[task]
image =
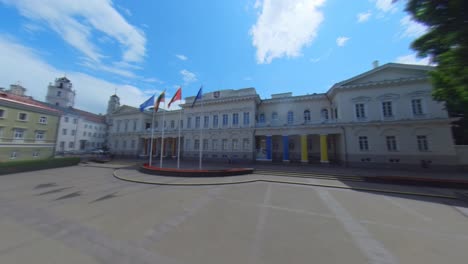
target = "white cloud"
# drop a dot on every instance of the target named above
(284, 27)
(181, 57)
(411, 28)
(341, 41)
(385, 5)
(248, 78)
(152, 80)
(76, 21)
(188, 76)
(412, 59)
(363, 17)
(23, 64)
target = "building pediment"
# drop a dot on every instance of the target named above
(388, 72)
(125, 109)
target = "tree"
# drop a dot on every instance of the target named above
(446, 44)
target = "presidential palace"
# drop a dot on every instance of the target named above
(383, 117)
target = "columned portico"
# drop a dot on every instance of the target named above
(323, 148)
(304, 149)
(285, 148)
(268, 147)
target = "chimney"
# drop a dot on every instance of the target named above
(375, 64)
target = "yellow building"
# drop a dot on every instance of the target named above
(28, 128)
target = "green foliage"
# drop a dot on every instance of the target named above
(446, 43)
(31, 165)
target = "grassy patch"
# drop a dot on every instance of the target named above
(31, 165)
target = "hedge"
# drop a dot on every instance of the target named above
(32, 165)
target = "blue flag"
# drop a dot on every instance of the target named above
(149, 102)
(199, 96)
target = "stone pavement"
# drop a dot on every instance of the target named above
(83, 214)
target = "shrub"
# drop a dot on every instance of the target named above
(32, 165)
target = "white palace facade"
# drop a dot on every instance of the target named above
(385, 116)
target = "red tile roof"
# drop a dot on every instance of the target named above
(90, 116)
(25, 100)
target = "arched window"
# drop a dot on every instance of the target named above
(307, 116)
(290, 117)
(324, 114)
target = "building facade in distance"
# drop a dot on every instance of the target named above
(383, 117)
(28, 128)
(79, 131)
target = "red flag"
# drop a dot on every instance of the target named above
(177, 96)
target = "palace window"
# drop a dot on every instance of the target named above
(215, 121)
(214, 143)
(235, 119)
(306, 116)
(196, 144)
(206, 121)
(290, 117)
(391, 143)
(416, 105)
(235, 144)
(225, 119)
(18, 133)
(274, 116)
(387, 109)
(189, 122)
(261, 118)
(363, 143)
(246, 118)
(360, 111)
(225, 144)
(324, 114)
(2, 113)
(422, 143)
(66, 119)
(246, 144)
(197, 122)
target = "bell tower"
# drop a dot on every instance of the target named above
(61, 93)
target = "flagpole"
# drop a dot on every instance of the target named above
(162, 138)
(152, 135)
(202, 122)
(178, 143)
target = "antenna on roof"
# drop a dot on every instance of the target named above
(115, 91)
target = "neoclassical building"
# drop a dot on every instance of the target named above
(385, 116)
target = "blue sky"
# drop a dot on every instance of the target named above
(144, 47)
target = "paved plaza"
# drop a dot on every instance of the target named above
(83, 214)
